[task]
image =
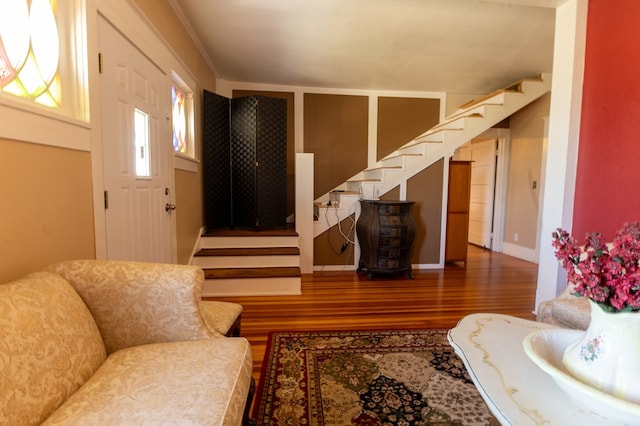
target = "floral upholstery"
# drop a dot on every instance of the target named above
(566, 311)
(139, 349)
(138, 303)
(171, 383)
(43, 360)
(221, 316)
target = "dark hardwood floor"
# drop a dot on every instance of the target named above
(491, 282)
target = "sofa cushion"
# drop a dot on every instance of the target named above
(201, 382)
(49, 346)
(136, 303)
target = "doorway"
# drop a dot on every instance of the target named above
(136, 152)
(488, 153)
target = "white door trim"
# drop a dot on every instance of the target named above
(500, 197)
(503, 137)
(129, 20)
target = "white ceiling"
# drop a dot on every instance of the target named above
(454, 46)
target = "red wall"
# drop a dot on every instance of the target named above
(608, 175)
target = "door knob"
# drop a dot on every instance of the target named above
(169, 207)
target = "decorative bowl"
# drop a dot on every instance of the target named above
(546, 348)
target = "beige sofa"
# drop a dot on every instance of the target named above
(112, 343)
(566, 310)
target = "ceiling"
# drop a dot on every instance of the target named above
(453, 46)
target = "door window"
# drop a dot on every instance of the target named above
(141, 141)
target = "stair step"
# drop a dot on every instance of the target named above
(255, 240)
(249, 251)
(268, 286)
(232, 273)
(289, 232)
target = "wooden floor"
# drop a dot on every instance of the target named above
(491, 282)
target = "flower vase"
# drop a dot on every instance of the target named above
(606, 356)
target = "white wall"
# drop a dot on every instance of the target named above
(564, 128)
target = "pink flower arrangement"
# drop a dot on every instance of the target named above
(609, 276)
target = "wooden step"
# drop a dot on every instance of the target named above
(249, 251)
(281, 232)
(234, 273)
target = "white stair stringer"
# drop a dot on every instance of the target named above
(439, 142)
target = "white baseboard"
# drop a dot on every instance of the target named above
(275, 286)
(333, 268)
(419, 266)
(520, 252)
(339, 268)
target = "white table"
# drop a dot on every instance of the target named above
(515, 389)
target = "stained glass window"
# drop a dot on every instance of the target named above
(179, 117)
(30, 51)
(182, 119)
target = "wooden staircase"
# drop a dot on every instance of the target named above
(243, 263)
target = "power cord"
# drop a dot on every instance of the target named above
(347, 240)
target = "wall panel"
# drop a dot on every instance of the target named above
(335, 130)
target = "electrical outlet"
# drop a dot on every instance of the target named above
(515, 237)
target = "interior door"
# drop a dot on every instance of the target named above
(136, 152)
(483, 180)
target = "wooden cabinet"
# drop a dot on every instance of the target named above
(457, 238)
(386, 232)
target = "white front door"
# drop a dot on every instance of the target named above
(135, 101)
(483, 180)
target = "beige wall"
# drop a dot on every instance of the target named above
(425, 188)
(47, 212)
(525, 164)
(455, 100)
(336, 132)
(47, 191)
(402, 119)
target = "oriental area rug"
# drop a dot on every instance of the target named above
(391, 377)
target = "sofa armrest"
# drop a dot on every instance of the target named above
(137, 303)
(222, 317)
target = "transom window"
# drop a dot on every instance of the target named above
(30, 51)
